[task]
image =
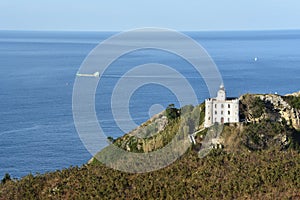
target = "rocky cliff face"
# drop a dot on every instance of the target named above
(266, 120)
(295, 94)
(276, 108)
(159, 130)
(136, 139)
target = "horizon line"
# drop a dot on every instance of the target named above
(203, 30)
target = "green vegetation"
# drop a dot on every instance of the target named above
(265, 135)
(293, 101)
(260, 160)
(6, 178)
(110, 139)
(220, 175)
(256, 136)
(202, 113)
(185, 123)
(252, 106)
(172, 112)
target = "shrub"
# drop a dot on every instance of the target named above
(293, 101)
(6, 178)
(172, 112)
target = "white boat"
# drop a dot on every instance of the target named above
(96, 74)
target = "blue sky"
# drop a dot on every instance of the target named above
(105, 15)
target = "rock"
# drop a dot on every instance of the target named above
(295, 94)
(276, 109)
(91, 160)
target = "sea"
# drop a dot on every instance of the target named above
(38, 70)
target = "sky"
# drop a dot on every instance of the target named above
(119, 15)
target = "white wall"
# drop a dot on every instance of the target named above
(217, 111)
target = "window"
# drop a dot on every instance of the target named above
(208, 118)
(222, 112)
(222, 120)
(215, 112)
(228, 112)
(228, 120)
(228, 105)
(222, 106)
(215, 105)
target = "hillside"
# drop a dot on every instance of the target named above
(257, 158)
(268, 120)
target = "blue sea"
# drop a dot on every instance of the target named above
(38, 69)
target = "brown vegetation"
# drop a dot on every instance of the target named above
(257, 175)
(261, 160)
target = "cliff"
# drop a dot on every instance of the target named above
(267, 120)
(276, 108)
(257, 158)
(160, 129)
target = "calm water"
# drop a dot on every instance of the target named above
(37, 71)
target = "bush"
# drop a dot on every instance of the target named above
(6, 178)
(257, 107)
(293, 101)
(110, 139)
(172, 112)
(251, 106)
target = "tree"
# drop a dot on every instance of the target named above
(5, 178)
(172, 112)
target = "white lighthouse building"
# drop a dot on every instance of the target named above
(221, 109)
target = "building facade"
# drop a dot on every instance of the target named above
(221, 109)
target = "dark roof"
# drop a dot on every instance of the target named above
(231, 98)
